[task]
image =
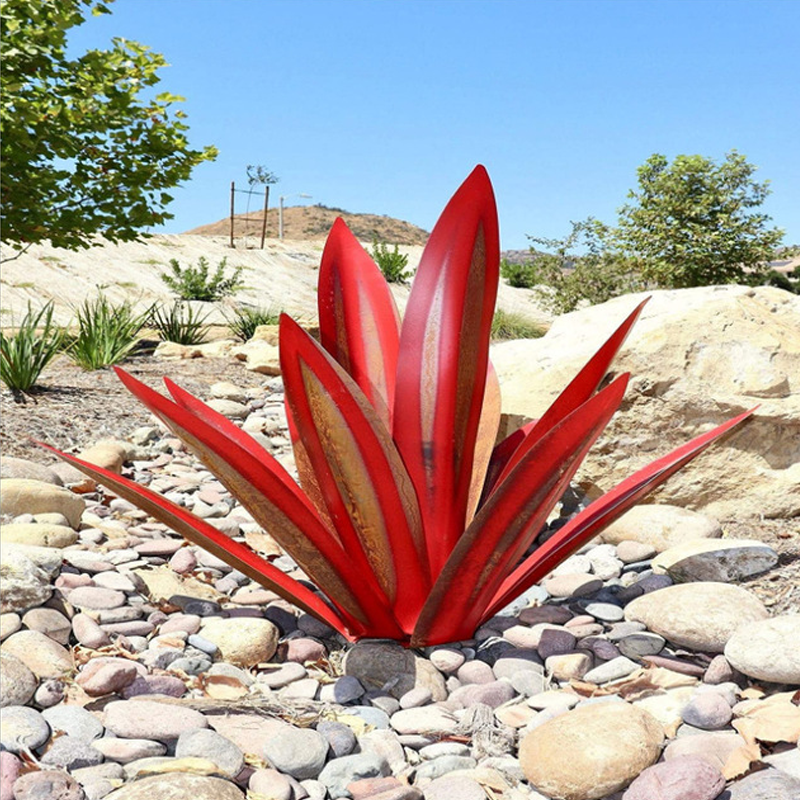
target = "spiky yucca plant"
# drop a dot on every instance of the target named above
(411, 522)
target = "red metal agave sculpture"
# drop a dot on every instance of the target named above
(411, 522)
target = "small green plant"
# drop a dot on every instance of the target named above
(179, 323)
(392, 263)
(26, 353)
(107, 334)
(195, 283)
(512, 325)
(521, 276)
(243, 320)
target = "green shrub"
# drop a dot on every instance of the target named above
(585, 267)
(26, 353)
(106, 333)
(179, 323)
(521, 276)
(512, 325)
(194, 283)
(392, 263)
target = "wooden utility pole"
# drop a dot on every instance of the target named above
(264, 222)
(233, 191)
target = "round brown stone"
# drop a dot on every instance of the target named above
(590, 752)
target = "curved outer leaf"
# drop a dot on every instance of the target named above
(600, 513)
(444, 352)
(358, 320)
(369, 496)
(579, 390)
(209, 538)
(506, 525)
(277, 505)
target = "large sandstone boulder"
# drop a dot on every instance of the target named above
(697, 357)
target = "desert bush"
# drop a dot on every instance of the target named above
(512, 325)
(520, 276)
(243, 320)
(392, 263)
(24, 354)
(107, 333)
(583, 268)
(180, 323)
(195, 283)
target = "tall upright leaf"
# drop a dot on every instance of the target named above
(444, 354)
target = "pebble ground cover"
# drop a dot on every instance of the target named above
(134, 664)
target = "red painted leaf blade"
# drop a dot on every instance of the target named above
(279, 507)
(580, 389)
(506, 525)
(361, 476)
(444, 353)
(209, 538)
(601, 513)
(358, 320)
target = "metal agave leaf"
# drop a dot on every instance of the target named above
(411, 522)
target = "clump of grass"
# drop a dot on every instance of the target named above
(179, 323)
(512, 325)
(243, 320)
(26, 353)
(107, 334)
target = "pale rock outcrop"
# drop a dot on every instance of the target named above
(697, 357)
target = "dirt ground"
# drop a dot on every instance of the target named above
(72, 409)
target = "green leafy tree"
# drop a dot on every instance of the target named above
(696, 222)
(87, 146)
(583, 267)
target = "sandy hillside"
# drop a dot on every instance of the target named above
(283, 275)
(313, 222)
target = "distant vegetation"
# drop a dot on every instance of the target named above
(692, 222)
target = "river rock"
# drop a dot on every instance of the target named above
(23, 729)
(178, 786)
(50, 622)
(25, 584)
(11, 467)
(723, 560)
(47, 784)
(39, 534)
(244, 641)
(661, 527)
(44, 657)
(382, 665)
(768, 650)
(340, 772)
(769, 784)
(23, 496)
(697, 356)
(682, 778)
(205, 743)
(631, 741)
(75, 721)
(17, 682)
(299, 752)
(147, 719)
(701, 616)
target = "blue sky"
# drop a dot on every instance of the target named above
(384, 106)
